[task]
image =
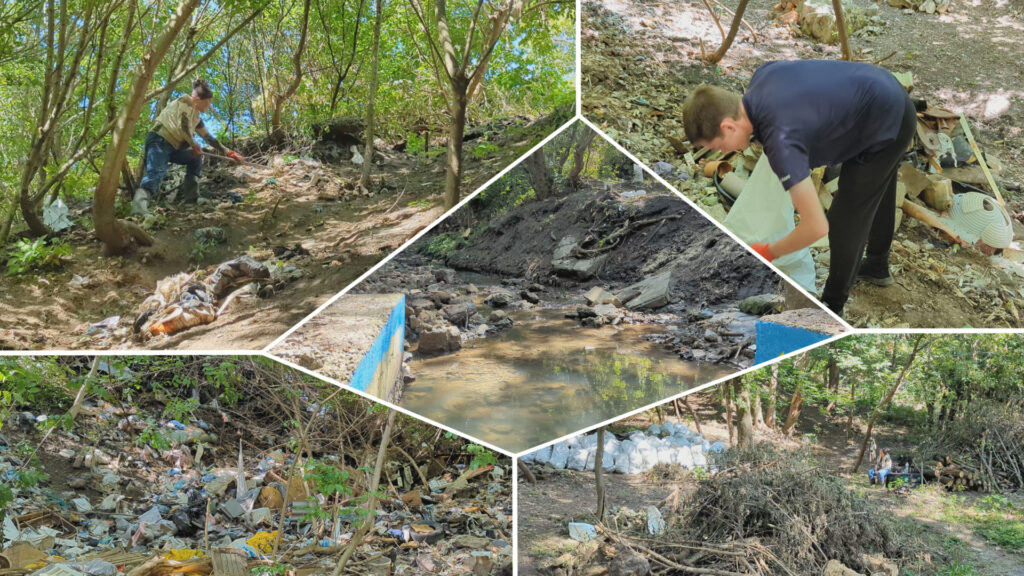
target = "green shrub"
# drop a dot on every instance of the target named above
(441, 246)
(36, 255)
(482, 457)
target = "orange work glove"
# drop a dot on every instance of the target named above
(762, 249)
(236, 157)
(196, 150)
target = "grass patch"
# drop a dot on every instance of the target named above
(1006, 533)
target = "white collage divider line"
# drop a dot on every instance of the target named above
(129, 352)
(697, 388)
(280, 339)
(720, 226)
(515, 515)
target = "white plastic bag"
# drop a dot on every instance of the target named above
(764, 213)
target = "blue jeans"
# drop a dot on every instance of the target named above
(159, 153)
(881, 474)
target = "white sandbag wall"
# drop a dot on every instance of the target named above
(669, 443)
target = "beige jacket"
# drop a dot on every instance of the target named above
(178, 123)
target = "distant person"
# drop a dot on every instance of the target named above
(816, 113)
(172, 140)
(883, 467)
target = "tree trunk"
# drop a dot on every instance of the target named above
(583, 141)
(832, 382)
(793, 417)
(693, 413)
(541, 179)
(744, 420)
(598, 480)
(919, 343)
(114, 234)
(453, 178)
(773, 388)
(728, 415)
(853, 403)
(364, 179)
(277, 131)
(837, 6)
(757, 412)
(737, 19)
(525, 470)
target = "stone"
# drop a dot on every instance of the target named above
(499, 299)
(470, 541)
(652, 292)
(606, 310)
(579, 269)
(459, 313)
(440, 341)
(446, 275)
(598, 295)
(762, 304)
(211, 235)
(529, 297)
(497, 316)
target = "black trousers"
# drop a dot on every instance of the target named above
(864, 213)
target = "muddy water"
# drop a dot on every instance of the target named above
(547, 377)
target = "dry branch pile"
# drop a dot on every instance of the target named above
(772, 512)
(983, 449)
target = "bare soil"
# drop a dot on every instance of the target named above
(289, 202)
(564, 496)
(640, 59)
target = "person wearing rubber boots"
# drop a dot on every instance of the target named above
(810, 113)
(172, 140)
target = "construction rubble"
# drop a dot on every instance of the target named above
(207, 504)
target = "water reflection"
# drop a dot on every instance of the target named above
(546, 377)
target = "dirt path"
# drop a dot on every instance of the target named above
(641, 59)
(564, 496)
(288, 202)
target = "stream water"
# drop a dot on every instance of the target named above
(547, 377)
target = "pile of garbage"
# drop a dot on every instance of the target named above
(665, 444)
(189, 507)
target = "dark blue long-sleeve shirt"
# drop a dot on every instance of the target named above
(822, 112)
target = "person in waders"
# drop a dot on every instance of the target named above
(810, 113)
(172, 140)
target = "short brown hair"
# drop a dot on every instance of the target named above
(704, 110)
(202, 89)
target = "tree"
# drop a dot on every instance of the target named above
(118, 235)
(277, 132)
(364, 179)
(737, 19)
(773, 387)
(541, 179)
(582, 145)
(744, 418)
(920, 342)
(461, 71)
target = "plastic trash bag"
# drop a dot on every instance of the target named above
(764, 213)
(55, 215)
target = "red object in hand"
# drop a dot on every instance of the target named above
(196, 150)
(235, 156)
(763, 250)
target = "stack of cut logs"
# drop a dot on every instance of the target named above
(955, 474)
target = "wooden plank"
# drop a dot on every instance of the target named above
(228, 564)
(981, 160)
